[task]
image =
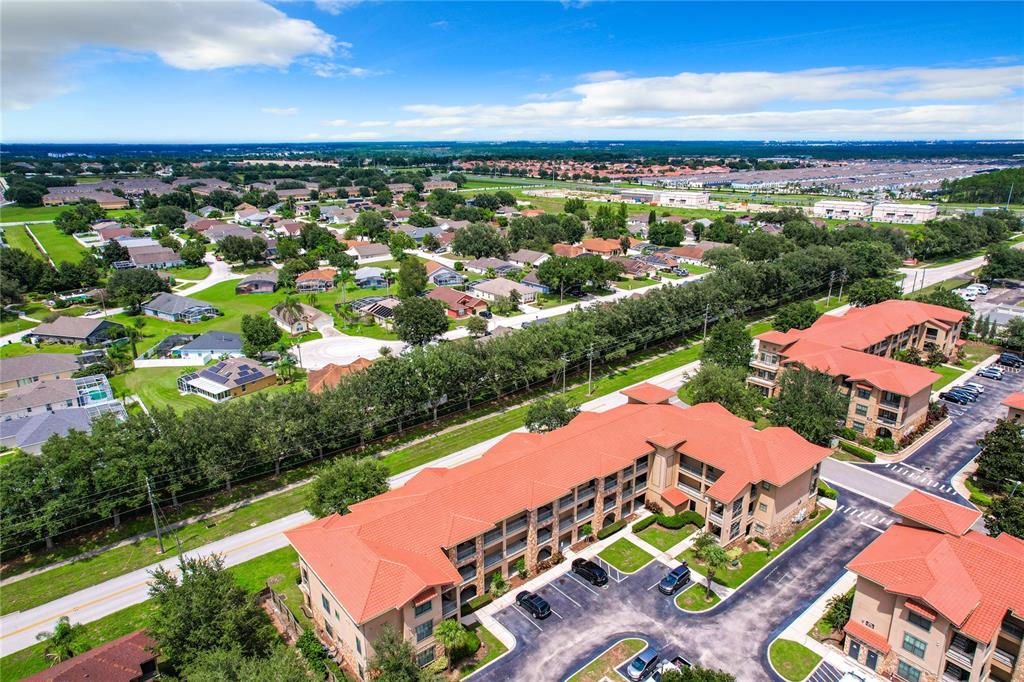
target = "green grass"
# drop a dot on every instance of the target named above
(824, 305)
(625, 556)
(604, 665)
(751, 562)
(196, 273)
(157, 387)
(948, 375)
(978, 496)
(759, 328)
(975, 352)
(665, 538)
(792, 660)
(14, 350)
(59, 246)
(821, 630)
(17, 214)
(551, 301)
(694, 598)
(17, 237)
(370, 331)
(696, 269)
(493, 649)
(15, 325)
(630, 284)
(951, 283)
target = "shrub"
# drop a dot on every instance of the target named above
(467, 647)
(459, 266)
(438, 665)
(826, 491)
(644, 524)
(848, 433)
(520, 567)
(838, 612)
(586, 532)
(884, 444)
(814, 513)
(498, 585)
(313, 651)
(652, 507)
(764, 542)
(859, 452)
(610, 529)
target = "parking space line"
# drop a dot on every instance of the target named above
(653, 586)
(868, 525)
(555, 587)
(555, 613)
(580, 582)
(521, 611)
(911, 467)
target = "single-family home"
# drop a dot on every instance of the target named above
(227, 379)
(368, 252)
(28, 369)
(457, 304)
(380, 308)
(217, 233)
(28, 434)
(205, 211)
(338, 215)
(418, 233)
(526, 257)
(694, 253)
(299, 319)
(370, 278)
(290, 228)
(211, 345)
(632, 267)
(568, 250)
(84, 330)
(321, 279)
(176, 308)
(532, 280)
(481, 266)
(329, 376)
(91, 392)
(258, 283)
(499, 287)
(132, 658)
(442, 275)
(602, 247)
(154, 257)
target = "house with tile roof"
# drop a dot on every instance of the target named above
(1014, 404)
(936, 599)
(442, 275)
(329, 376)
(320, 280)
(68, 329)
(132, 658)
(412, 556)
(227, 379)
(457, 304)
(888, 398)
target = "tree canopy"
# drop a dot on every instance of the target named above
(344, 482)
(808, 403)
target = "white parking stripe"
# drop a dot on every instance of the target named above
(552, 585)
(521, 611)
(868, 525)
(580, 582)
(653, 586)
(935, 484)
(555, 613)
(911, 467)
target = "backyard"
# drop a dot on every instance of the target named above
(59, 246)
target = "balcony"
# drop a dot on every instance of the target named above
(466, 553)
(566, 502)
(715, 518)
(760, 381)
(610, 483)
(764, 363)
(586, 493)
(1012, 630)
(516, 525)
(894, 403)
(609, 503)
(492, 536)
(641, 466)
(691, 468)
(543, 536)
(545, 514)
(713, 475)
(516, 547)
(493, 558)
(689, 490)
(641, 484)
(584, 514)
(890, 421)
(448, 607)
(468, 572)
(960, 656)
(1004, 657)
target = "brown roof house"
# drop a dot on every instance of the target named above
(457, 304)
(227, 379)
(131, 658)
(330, 375)
(74, 330)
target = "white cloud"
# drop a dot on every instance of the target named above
(335, 7)
(326, 69)
(337, 122)
(280, 111)
(371, 124)
(440, 24)
(214, 35)
(957, 102)
(607, 75)
(357, 135)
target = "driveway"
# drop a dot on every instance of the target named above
(341, 349)
(733, 637)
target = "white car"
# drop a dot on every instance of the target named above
(977, 387)
(966, 294)
(980, 288)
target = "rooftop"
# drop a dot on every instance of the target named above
(118, 661)
(648, 394)
(1014, 400)
(330, 375)
(172, 303)
(72, 327)
(215, 341)
(936, 513)
(37, 364)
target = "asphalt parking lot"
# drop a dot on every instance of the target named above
(734, 636)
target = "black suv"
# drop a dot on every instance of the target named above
(535, 604)
(676, 578)
(1010, 360)
(589, 571)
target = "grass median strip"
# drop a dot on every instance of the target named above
(492, 649)
(665, 538)
(792, 660)
(604, 665)
(695, 598)
(625, 556)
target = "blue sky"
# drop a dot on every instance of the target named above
(340, 70)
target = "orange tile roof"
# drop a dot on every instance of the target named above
(321, 273)
(936, 513)
(921, 609)
(884, 373)
(391, 547)
(971, 579)
(873, 639)
(648, 393)
(674, 496)
(601, 245)
(120, 660)
(567, 250)
(1015, 400)
(330, 375)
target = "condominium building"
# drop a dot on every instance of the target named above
(842, 210)
(414, 555)
(905, 214)
(888, 398)
(936, 600)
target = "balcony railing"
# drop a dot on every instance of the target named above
(890, 403)
(1014, 631)
(492, 559)
(543, 536)
(641, 466)
(492, 536)
(692, 492)
(887, 420)
(586, 493)
(584, 514)
(609, 503)
(716, 517)
(713, 475)
(694, 469)
(960, 656)
(544, 515)
(515, 547)
(610, 484)
(515, 526)
(468, 572)
(1004, 657)
(465, 554)
(641, 485)
(566, 502)
(448, 607)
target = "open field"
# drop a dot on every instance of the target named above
(17, 214)
(17, 237)
(59, 246)
(15, 325)
(13, 350)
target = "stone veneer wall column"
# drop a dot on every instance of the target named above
(531, 541)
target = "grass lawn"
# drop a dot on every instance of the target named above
(792, 660)
(951, 283)
(948, 375)
(14, 350)
(15, 325)
(17, 214)
(17, 237)
(551, 301)
(630, 284)
(824, 305)
(975, 352)
(371, 331)
(695, 598)
(197, 273)
(665, 538)
(751, 562)
(625, 556)
(759, 328)
(604, 665)
(157, 386)
(59, 246)
(492, 649)
(821, 629)
(695, 269)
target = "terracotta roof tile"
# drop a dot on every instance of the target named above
(934, 512)
(648, 393)
(1014, 400)
(873, 639)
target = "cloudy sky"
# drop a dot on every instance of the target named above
(253, 70)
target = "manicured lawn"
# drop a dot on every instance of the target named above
(751, 562)
(625, 556)
(493, 648)
(17, 237)
(551, 300)
(14, 350)
(759, 328)
(630, 284)
(975, 352)
(824, 304)
(604, 665)
(694, 598)
(951, 283)
(696, 269)
(157, 386)
(665, 538)
(948, 375)
(15, 325)
(59, 246)
(197, 273)
(792, 660)
(16, 214)
(371, 331)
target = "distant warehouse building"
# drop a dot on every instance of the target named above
(905, 214)
(684, 199)
(842, 210)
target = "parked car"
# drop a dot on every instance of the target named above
(967, 394)
(486, 314)
(953, 397)
(643, 665)
(991, 373)
(682, 272)
(967, 388)
(676, 578)
(589, 571)
(966, 294)
(976, 386)
(1010, 360)
(980, 288)
(534, 604)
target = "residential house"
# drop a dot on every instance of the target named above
(414, 555)
(568, 250)
(258, 283)
(632, 267)
(174, 308)
(112, 231)
(329, 376)
(380, 308)
(888, 398)
(499, 287)
(526, 257)
(83, 330)
(1014, 407)
(442, 275)
(532, 280)
(694, 253)
(132, 658)
(299, 319)
(227, 379)
(321, 279)
(602, 247)
(338, 215)
(370, 278)
(369, 252)
(936, 599)
(28, 434)
(210, 346)
(482, 266)
(217, 233)
(418, 233)
(205, 211)
(153, 257)
(290, 228)
(91, 392)
(28, 369)
(457, 303)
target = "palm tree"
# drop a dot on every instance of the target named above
(286, 365)
(388, 276)
(714, 558)
(450, 633)
(60, 644)
(311, 298)
(134, 334)
(341, 281)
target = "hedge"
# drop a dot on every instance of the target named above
(826, 491)
(857, 451)
(674, 522)
(611, 528)
(644, 524)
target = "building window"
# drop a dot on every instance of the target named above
(919, 620)
(864, 393)
(858, 427)
(737, 507)
(330, 631)
(862, 410)
(759, 528)
(914, 645)
(908, 672)
(761, 506)
(766, 485)
(425, 657)
(424, 630)
(424, 608)
(734, 530)
(327, 604)
(359, 646)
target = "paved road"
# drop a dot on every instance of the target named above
(914, 279)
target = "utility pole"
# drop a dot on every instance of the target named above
(590, 370)
(707, 311)
(842, 281)
(831, 279)
(565, 363)
(156, 523)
